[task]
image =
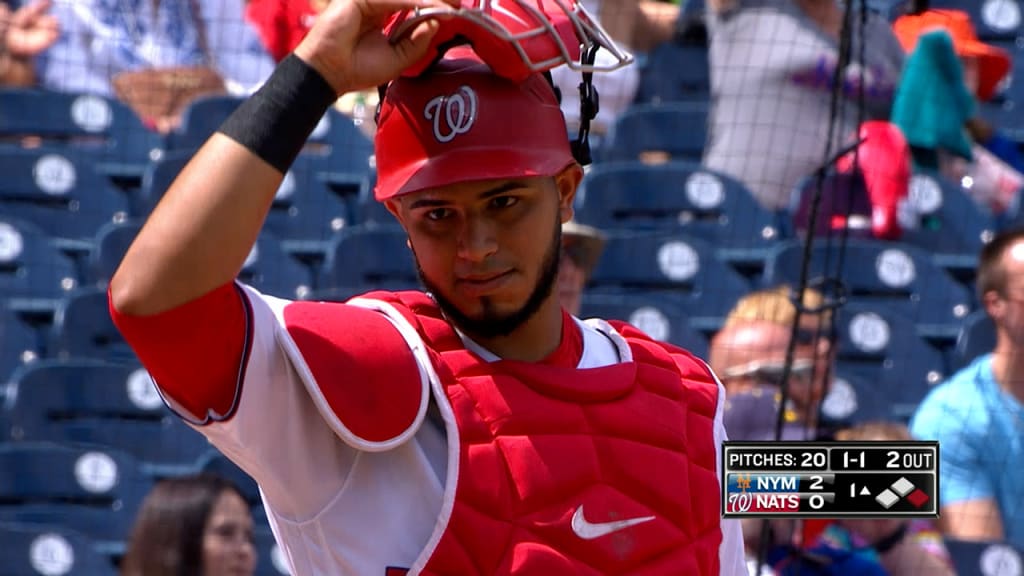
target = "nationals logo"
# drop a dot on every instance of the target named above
(453, 114)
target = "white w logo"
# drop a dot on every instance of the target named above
(457, 111)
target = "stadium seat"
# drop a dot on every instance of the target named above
(883, 349)
(657, 132)
(19, 343)
(952, 226)
(993, 19)
(675, 73)
(977, 337)
(270, 560)
(336, 136)
(87, 402)
(30, 550)
(158, 177)
(102, 131)
(684, 197)
(306, 212)
(368, 258)
(898, 276)
(108, 249)
(853, 400)
(271, 271)
(984, 558)
(52, 392)
(82, 328)
(34, 276)
(675, 268)
(213, 462)
(61, 194)
(659, 320)
(92, 490)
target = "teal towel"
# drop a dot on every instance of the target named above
(932, 104)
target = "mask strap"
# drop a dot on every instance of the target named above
(589, 107)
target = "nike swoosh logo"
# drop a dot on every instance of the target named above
(590, 530)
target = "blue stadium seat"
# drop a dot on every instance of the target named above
(370, 212)
(676, 268)
(984, 558)
(952, 227)
(158, 177)
(307, 211)
(365, 258)
(213, 462)
(272, 271)
(30, 550)
(853, 400)
(108, 249)
(684, 197)
(270, 559)
(884, 350)
(61, 194)
(898, 276)
(19, 343)
(659, 320)
(675, 73)
(82, 328)
(336, 137)
(86, 402)
(977, 337)
(672, 130)
(34, 276)
(200, 120)
(92, 490)
(50, 392)
(103, 130)
(999, 20)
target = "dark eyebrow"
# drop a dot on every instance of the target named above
(497, 190)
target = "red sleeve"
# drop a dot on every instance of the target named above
(195, 352)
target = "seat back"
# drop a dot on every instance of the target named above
(674, 267)
(659, 320)
(884, 349)
(368, 258)
(681, 196)
(83, 328)
(899, 276)
(977, 337)
(32, 550)
(59, 192)
(657, 132)
(34, 276)
(95, 127)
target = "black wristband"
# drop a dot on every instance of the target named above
(275, 122)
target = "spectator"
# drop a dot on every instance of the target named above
(948, 73)
(196, 525)
(901, 547)
(25, 32)
(119, 47)
(773, 64)
(978, 414)
(750, 350)
(581, 249)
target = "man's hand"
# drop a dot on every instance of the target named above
(29, 30)
(349, 49)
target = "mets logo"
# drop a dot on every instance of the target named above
(453, 114)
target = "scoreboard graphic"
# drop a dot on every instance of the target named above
(830, 479)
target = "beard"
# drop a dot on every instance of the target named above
(490, 323)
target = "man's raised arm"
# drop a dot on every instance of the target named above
(200, 234)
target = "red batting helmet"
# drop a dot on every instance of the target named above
(461, 122)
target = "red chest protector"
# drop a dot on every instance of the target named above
(608, 470)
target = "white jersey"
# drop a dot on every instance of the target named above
(336, 510)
